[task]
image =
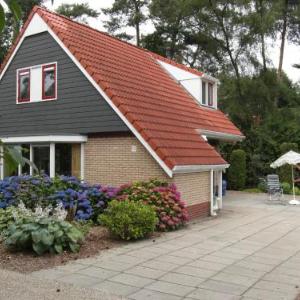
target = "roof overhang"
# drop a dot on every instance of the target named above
(45, 139)
(221, 136)
(198, 168)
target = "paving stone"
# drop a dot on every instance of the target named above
(174, 259)
(97, 272)
(116, 288)
(263, 260)
(254, 266)
(146, 272)
(190, 252)
(233, 269)
(128, 259)
(203, 294)
(198, 272)
(170, 288)
(267, 294)
(130, 279)
(282, 278)
(182, 279)
(152, 295)
(235, 279)
(217, 259)
(228, 254)
(207, 265)
(288, 271)
(113, 265)
(159, 265)
(223, 287)
(277, 287)
(80, 280)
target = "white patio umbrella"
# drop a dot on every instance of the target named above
(290, 158)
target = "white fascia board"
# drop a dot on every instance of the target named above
(198, 168)
(45, 139)
(97, 87)
(221, 135)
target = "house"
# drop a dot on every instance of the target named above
(87, 104)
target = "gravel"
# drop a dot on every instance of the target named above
(19, 286)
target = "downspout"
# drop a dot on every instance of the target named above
(212, 212)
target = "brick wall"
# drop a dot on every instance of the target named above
(116, 160)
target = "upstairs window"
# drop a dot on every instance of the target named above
(49, 82)
(37, 83)
(207, 93)
(24, 85)
(210, 94)
(203, 92)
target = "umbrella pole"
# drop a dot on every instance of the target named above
(293, 182)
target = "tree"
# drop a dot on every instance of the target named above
(126, 13)
(287, 25)
(78, 12)
(237, 170)
(15, 10)
(13, 24)
(261, 19)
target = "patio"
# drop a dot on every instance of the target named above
(250, 251)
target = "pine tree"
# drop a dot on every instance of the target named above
(78, 12)
(123, 14)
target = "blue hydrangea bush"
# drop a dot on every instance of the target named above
(82, 201)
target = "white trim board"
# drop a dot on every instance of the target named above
(45, 139)
(220, 135)
(198, 168)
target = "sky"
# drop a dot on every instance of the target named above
(291, 51)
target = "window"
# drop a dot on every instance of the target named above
(203, 92)
(37, 83)
(24, 85)
(49, 82)
(210, 94)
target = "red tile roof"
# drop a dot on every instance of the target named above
(156, 105)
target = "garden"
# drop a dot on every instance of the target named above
(50, 221)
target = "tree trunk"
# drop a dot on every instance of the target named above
(137, 31)
(283, 38)
(263, 51)
(262, 35)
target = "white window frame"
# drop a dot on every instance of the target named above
(214, 96)
(41, 83)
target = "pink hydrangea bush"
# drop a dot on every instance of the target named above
(165, 198)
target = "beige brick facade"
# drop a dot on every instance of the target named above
(122, 159)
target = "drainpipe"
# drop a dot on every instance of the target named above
(212, 212)
(1, 163)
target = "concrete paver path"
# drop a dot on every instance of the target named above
(250, 251)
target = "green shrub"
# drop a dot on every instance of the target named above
(262, 186)
(129, 220)
(297, 191)
(237, 170)
(286, 187)
(163, 197)
(43, 235)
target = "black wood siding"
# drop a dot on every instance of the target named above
(79, 109)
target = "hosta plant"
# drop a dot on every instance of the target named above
(43, 235)
(129, 220)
